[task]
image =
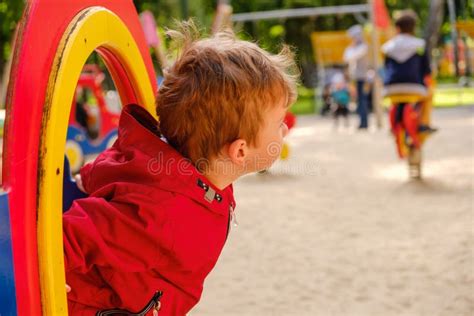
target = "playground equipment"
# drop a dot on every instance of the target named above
(53, 43)
(329, 47)
(290, 121)
(89, 133)
(406, 117)
(466, 27)
(375, 9)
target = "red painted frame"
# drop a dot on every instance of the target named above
(41, 29)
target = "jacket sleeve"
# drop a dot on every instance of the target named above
(106, 234)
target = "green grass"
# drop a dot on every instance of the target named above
(305, 103)
(451, 80)
(449, 97)
(303, 106)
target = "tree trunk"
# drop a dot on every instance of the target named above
(433, 27)
(4, 79)
(454, 34)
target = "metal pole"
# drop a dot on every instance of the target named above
(454, 34)
(223, 16)
(377, 84)
(184, 9)
(467, 57)
(435, 19)
(300, 13)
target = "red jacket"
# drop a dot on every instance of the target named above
(151, 223)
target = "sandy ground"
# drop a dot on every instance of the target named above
(339, 230)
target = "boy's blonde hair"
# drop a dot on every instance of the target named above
(217, 91)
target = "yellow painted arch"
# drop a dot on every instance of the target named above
(93, 28)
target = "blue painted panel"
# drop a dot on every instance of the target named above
(89, 147)
(7, 278)
(70, 190)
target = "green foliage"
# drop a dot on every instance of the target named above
(10, 13)
(306, 103)
(269, 33)
(277, 31)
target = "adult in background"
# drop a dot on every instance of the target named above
(356, 57)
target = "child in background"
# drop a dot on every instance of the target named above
(407, 66)
(357, 58)
(327, 101)
(341, 98)
(159, 212)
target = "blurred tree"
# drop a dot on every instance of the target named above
(269, 33)
(433, 25)
(10, 13)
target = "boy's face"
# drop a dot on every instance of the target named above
(270, 139)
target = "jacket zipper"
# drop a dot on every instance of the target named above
(154, 304)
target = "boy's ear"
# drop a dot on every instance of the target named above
(238, 151)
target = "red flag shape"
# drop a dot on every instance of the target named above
(382, 19)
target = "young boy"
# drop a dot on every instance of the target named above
(160, 201)
(407, 66)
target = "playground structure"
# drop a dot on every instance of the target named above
(467, 27)
(290, 121)
(89, 132)
(446, 60)
(329, 46)
(406, 116)
(46, 67)
(371, 7)
(406, 113)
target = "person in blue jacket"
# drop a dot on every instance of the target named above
(407, 65)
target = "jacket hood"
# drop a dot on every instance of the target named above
(141, 156)
(402, 47)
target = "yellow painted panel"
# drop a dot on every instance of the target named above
(329, 46)
(467, 27)
(92, 28)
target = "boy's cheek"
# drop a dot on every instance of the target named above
(285, 130)
(273, 151)
(264, 157)
(269, 156)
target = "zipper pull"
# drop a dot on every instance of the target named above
(157, 305)
(156, 308)
(233, 217)
(154, 304)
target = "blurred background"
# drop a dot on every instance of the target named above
(453, 63)
(337, 226)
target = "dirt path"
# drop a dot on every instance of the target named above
(339, 230)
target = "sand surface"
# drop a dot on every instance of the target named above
(339, 229)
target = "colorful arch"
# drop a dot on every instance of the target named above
(47, 63)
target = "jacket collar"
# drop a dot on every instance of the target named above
(156, 163)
